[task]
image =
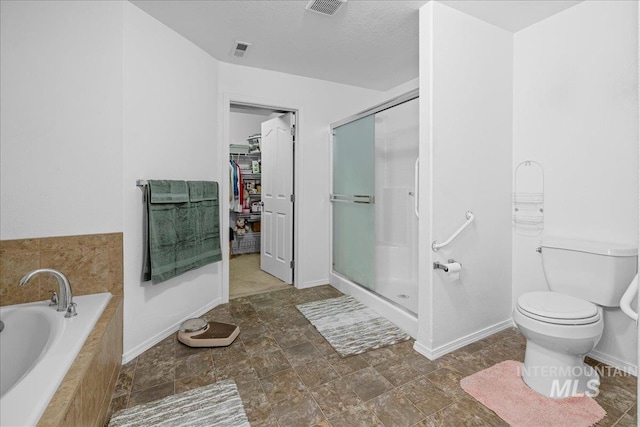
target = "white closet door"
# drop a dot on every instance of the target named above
(276, 244)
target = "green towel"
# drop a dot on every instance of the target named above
(181, 234)
(169, 191)
(202, 190)
(205, 208)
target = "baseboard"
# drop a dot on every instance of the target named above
(146, 345)
(423, 350)
(313, 283)
(626, 367)
(433, 354)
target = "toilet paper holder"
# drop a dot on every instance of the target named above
(437, 265)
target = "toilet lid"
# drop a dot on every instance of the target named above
(558, 308)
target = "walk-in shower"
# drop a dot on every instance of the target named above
(374, 208)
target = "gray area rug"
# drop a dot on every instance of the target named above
(217, 405)
(351, 327)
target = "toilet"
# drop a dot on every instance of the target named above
(565, 323)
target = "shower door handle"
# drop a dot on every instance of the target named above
(415, 187)
(352, 198)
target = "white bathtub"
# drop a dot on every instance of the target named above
(37, 347)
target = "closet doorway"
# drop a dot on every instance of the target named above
(261, 199)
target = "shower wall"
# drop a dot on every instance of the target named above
(396, 224)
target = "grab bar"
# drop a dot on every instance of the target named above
(415, 188)
(625, 301)
(354, 198)
(435, 245)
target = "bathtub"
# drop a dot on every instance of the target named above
(37, 347)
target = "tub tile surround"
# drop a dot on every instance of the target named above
(93, 263)
(288, 375)
(85, 392)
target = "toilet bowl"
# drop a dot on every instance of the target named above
(560, 330)
(561, 326)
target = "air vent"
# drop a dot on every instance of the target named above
(325, 7)
(240, 49)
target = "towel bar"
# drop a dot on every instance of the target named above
(141, 182)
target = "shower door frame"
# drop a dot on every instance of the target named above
(383, 306)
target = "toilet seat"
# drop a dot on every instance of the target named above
(556, 308)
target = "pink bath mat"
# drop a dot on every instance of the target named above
(501, 389)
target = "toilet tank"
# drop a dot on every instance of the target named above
(599, 272)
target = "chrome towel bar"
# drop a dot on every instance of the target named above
(435, 245)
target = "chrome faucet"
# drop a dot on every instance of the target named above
(65, 297)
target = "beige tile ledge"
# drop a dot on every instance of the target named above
(68, 404)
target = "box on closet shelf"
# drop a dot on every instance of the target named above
(238, 149)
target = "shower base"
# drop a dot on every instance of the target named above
(401, 292)
(395, 312)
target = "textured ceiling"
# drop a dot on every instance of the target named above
(372, 44)
(511, 15)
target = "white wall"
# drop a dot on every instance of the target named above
(465, 152)
(402, 89)
(576, 113)
(319, 103)
(98, 94)
(61, 114)
(170, 132)
(243, 125)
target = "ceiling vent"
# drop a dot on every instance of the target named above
(240, 49)
(325, 7)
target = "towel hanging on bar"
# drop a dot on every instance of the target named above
(182, 228)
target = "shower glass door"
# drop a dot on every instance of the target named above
(352, 198)
(375, 224)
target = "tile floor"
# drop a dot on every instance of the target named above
(288, 375)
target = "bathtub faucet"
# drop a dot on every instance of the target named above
(65, 297)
